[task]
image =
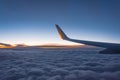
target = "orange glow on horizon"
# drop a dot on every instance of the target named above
(56, 45)
(4, 46)
(62, 44)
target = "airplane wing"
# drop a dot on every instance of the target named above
(93, 43)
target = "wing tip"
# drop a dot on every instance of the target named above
(61, 33)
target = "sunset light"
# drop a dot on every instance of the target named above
(59, 39)
(4, 46)
(33, 22)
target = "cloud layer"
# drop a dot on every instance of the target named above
(58, 64)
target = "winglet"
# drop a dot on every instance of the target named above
(61, 33)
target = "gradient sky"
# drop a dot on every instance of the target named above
(33, 21)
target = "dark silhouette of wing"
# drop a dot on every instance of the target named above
(111, 46)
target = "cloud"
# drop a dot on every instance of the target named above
(56, 77)
(36, 71)
(92, 75)
(5, 44)
(54, 64)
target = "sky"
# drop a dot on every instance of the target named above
(33, 21)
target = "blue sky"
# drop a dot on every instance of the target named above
(33, 21)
